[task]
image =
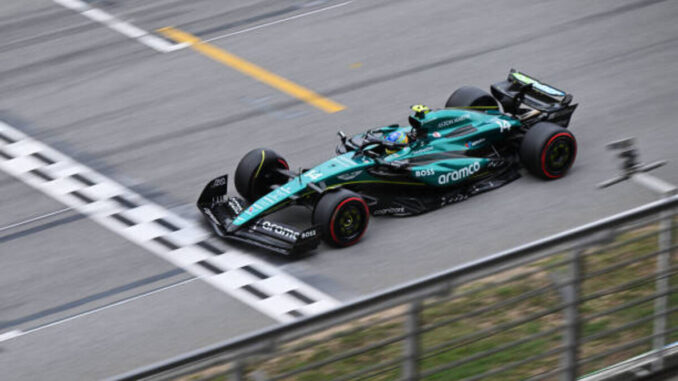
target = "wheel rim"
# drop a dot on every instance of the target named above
(349, 221)
(558, 155)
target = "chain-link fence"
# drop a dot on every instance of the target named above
(562, 307)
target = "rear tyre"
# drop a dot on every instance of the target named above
(548, 150)
(256, 173)
(343, 216)
(473, 98)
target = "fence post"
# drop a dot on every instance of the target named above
(662, 286)
(571, 293)
(237, 371)
(410, 370)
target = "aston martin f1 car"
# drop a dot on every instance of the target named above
(476, 143)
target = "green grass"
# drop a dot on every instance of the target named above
(457, 337)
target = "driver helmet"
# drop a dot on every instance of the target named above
(398, 137)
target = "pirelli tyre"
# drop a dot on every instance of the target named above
(257, 173)
(472, 98)
(343, 217)
(548, 150)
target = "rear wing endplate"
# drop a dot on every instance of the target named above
(520, 90)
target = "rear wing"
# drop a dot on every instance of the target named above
(520, 94)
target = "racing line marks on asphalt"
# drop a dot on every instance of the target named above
(30, 220)
(184, 40)
(120, 26)
(179, 241)
(252, 70)
(278, 21)
(17, 333)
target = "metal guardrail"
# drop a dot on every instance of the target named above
(560, 307)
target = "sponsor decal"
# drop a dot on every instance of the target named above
(537, 85)
(272, 198)
(455, 198)
(235, 206)
(504, 126)
(382, 212)
(308, 234)
(279, 230)
(219, 182)
(423, 150)
(459, 174)
(496, 163)
(424, 172)
(450, 122)
(344, 161)
(436, 134)
(474, 143)
(313, 174)
(350, 176)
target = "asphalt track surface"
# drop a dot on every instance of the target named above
(163, 124)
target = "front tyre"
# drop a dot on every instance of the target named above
(343, 216)
(548, 150)
(257, 173)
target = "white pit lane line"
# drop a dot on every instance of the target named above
(120, 26)
(181, 242)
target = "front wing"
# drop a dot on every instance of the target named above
(220, 211)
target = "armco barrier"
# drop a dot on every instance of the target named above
(567, 306)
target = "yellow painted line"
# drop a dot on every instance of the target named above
(252, 70)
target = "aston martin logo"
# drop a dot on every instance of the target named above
(350, 175)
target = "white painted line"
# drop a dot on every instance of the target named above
(127, 29)
(160, 231)
(122, 27)
(75, 5)
(10, 335)
(278, 21)
(28, 221)
(99, 16)
(157, 43)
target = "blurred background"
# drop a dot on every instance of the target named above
(104, 83)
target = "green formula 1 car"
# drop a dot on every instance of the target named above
(475, 144)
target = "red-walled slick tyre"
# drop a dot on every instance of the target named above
(548, 150)
(343, 216)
